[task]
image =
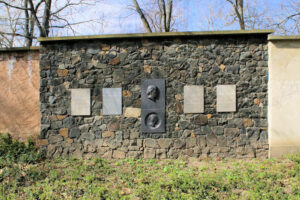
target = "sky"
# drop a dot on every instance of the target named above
(118, 16)
(195, 15)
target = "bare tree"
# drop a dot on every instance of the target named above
(42, 16)
(238, 6)
(9, 21)
(288, 21)
(157, 17)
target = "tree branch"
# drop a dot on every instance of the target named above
(142, 16)
(12, 6)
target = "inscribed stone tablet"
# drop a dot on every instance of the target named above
(193, 99)
(112, 101)
(226, 98)
(80, 102)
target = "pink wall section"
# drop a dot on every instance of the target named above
(19, 94)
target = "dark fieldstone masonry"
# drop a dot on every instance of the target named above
(207, 60)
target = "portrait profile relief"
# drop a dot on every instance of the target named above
(153, 105)
(152, 92)
(152, 120)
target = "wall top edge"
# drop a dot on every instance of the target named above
(16, 49)
(276, 37)
(152, 35)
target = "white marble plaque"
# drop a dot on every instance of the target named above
(112, 101)
(80, 102)
(226, 98)
(193, 99)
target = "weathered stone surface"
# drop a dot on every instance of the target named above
(152, 143)
(118, 154)
(248, 122)
(161, 153)
(178, 97)
(114, 125)
(211, 140)
(114, 61)
(201, 120)
(64, 132)
(134, 154)
(62, 72)
(179, 143)
(231, 132)
(134, 135)
(108, 134)
(147, 69)
(178, 107)
(165, 143)
(74, 133)
(149, 153)
(132, 112)
(191, 142)
(55, 139)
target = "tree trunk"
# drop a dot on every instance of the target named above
(169, 15)
(240, 13)
(28, 43)
(142, 16)
(46, 18)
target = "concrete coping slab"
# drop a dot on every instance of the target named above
(290, 37)
(16, 49)
(154, 35)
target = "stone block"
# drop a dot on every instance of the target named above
(211, 140)
(201, 141)
(118, 154)
(112, 101)
(134, 135)
(132, 112)
(161, 153)
(193, 99)
(191, 142)
(74, 133)
(108, 134)
(55, 139)
(164, 143)
(201, 120)
(149, 153)
(149, 142)
(113, 125)
(226, 98)
(64, 132)
(134, 154)
(80, 102)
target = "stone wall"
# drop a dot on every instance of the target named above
(284, 95)
(19, 93)
(124, 62)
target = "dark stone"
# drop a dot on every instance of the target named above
(55, 139)
(113, 125)
(178, 107)
(44, 130)
(74, 133)
(201, 120)
(233, 69)
(68, 122)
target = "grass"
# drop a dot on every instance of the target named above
(152, 179)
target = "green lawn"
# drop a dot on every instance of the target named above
(152, 179)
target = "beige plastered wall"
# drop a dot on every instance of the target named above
(19, 94)
(284, 97)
